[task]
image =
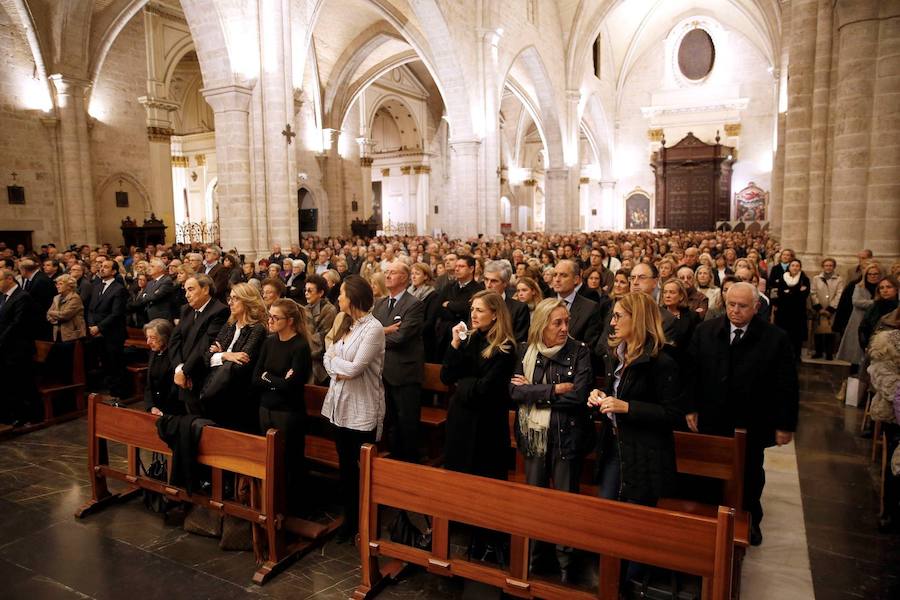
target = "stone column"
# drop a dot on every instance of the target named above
(231, 105)
(775, 199)
(334, 186)
(75, 159)
(882, 233)
(423, 198)
(858, 28)
(277, 97)
(608, 212)
(365, 165)
(159, 133)
(526, 198)
(595, 201)
(584, 204)
(801, 70)
(557, 199)
(409, 195)
(462, 210)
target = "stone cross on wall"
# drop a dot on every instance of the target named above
(286, 132)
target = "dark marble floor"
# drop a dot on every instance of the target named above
(126, 550)
(839, 488)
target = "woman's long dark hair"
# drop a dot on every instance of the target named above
(359, 293)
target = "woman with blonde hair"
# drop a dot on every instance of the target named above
(864, 294)
(642, 400)
(551, 384)
(379, 287)
(66, 312)
(232, 358)
(480, 363)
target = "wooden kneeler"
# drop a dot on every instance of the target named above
(259, 457)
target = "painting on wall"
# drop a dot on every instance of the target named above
(637, 210)
(750, 203)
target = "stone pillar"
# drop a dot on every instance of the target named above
(463, 206)
(423, 198)
(75, 160)
(595, 200)
(231, 105)
(775, 199)
(277, 97)
(584, 204)
(409, 196)
(819, 129)
(557, 199)
(159, 133)
(608, 212)
(882, 233)
(526, 198)
(801, 70)
(365, 165)
(334, 186)
(858, 28)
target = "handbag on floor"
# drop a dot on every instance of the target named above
(203, 521)
(851, 396)
(158, 470)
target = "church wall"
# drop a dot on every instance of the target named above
(748, 79)
(26, 144)
(119, 136)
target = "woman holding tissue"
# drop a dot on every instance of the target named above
(642, 404)
(480, 363)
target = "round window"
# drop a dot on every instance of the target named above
(696, 54)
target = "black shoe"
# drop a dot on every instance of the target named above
(755, 535)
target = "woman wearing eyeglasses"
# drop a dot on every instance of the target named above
(283, 369)
(641, 405)
(231, 359)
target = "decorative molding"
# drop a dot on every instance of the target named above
(366, 161)
(385, 172)
(422, 169)
(405, 170)
(584, 180)
(160, 134)
(732, 129)
(655, 135)
(530, 182)
(181, 162)
(200, 159)
(652, 112)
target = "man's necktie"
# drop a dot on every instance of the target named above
(3, 298)
(737, 336)
(391, 304)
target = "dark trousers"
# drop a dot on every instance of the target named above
(19, 400)
(754, 478)
(112, 355)
(293, 425)
(825, 344)
(404, 410)
(565, 475)
(348, 442)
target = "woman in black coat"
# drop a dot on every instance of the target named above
(480, 366)
(789, 299)
(232, 358)
(160, 391)
(678, 334)
(642, 406)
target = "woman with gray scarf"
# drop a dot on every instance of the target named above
(551, 385)
(422, 287)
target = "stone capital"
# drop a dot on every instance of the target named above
(366, 161)
(228, 98)
(69, 86)
(465, 146)
(608, 183)
(557, 173)
(406, 170)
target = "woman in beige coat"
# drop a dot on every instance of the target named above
(66, 313)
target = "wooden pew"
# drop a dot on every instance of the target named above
(136, 339)
(694, 544)
(50, 386)
(258, 457)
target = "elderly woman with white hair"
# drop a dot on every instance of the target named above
(160, 391)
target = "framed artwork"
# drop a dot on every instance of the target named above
(637, 210)
(750, 204)
(121, 199)
(15, 194)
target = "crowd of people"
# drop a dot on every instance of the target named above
(646, 332)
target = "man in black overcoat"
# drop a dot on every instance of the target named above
(201, 319)
(585, 316)
(497, 274)
(158, 298)
(744, 376)
(455, 302)
(106, 326)
(403, 316)
(42, 291)
(17, 333)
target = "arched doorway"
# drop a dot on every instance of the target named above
(308, 212)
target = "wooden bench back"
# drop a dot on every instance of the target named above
(431, 380)
(314, 396)
(678, 541)
(716, 457)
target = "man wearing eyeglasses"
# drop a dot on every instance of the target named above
(216, 271)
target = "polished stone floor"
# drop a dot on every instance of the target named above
(820, 528)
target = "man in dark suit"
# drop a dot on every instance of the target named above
(158, 298)
(402, 315)
(585, 317)
(201, 320)
(213, 267)
(497, 274)
(744, 375)
(455, 302)
(17, 333)
(277, 256)
(106, 326)
(42, 290)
